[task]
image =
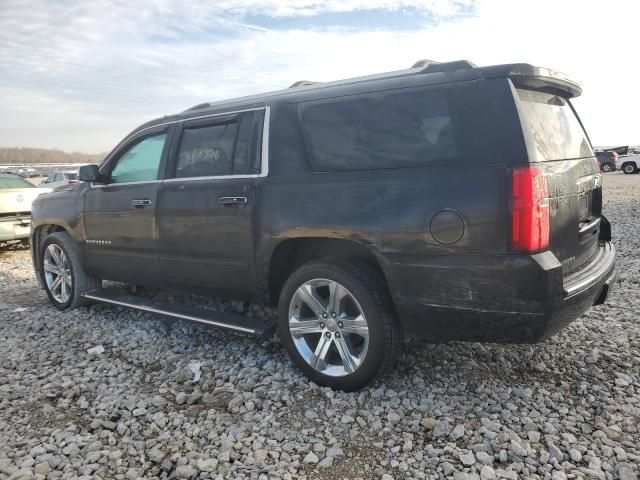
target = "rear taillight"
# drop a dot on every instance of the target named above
(530, 214)
(72, 182)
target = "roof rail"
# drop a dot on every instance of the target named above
(199, 106)
(302, 83)
(423, 63)
(432, 67)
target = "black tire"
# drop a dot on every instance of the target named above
(629, 168)
(81, 283)
(366, 285)
(606, 167)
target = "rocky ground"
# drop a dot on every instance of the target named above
(567, 408)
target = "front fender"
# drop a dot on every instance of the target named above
(53, 212)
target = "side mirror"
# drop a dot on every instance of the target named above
(88, 173)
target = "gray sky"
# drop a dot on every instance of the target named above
(80, 75)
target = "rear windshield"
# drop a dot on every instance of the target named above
(553, 130)
(14, 182)
(72, 176)
(391, 129)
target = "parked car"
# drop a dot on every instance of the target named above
(607, 160)
(440, 202)
(629, 163)
(16, 197)
(59, 179)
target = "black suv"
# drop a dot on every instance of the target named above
(445, 202)
(607, 160)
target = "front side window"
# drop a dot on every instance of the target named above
(140, 162)
(207, 150)
(380, 130)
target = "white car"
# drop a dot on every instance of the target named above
(628, 163)
(16, 197)
(58, 179)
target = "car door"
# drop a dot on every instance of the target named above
(119, 213)
(205, 206)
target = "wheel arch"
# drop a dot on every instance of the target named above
(291, 253)
(38, 235)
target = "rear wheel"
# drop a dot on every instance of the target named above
(65, 279)
(606, 167)
(338, 324)
(629, 168)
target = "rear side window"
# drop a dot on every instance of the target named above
(551, 127)
(390, 129)
(207, 150)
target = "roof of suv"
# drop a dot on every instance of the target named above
(519, 73)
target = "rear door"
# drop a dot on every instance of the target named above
(557, 142)
(206, 207)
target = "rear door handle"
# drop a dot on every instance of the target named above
(232, 200)
(141, 202)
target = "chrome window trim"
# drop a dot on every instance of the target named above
(104, 185)
(211, 177)
(264, 155)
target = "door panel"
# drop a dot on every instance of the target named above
(205, 210)
(205, 237)
(119, 214)
(120, 236)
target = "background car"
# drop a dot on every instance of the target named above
(16, 197)
(607, 160)
(58, 179)
(629, 163)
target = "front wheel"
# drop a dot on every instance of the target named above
(65, 279)
(338, 323)
(629, 168)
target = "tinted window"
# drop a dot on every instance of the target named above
(14, 182)
(207, 150)
(380, 130)
(247, 152)
(552, 127)
(140, 163)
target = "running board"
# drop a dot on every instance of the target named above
(225, 320)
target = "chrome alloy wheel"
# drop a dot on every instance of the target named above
(57, 273)
(328, 327)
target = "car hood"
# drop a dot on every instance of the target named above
(14, 200)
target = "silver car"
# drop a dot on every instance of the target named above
(59, 179)
(16, 197)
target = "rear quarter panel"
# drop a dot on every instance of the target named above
(390, 211)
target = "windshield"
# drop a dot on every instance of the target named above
(14, 182)
(552, 128)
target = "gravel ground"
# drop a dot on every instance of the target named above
(567, 408)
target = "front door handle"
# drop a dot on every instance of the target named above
(228, 201)
(141, 202)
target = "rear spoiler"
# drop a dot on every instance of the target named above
(537, 78)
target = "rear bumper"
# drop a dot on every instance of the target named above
(498, 298)
(14, 228)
